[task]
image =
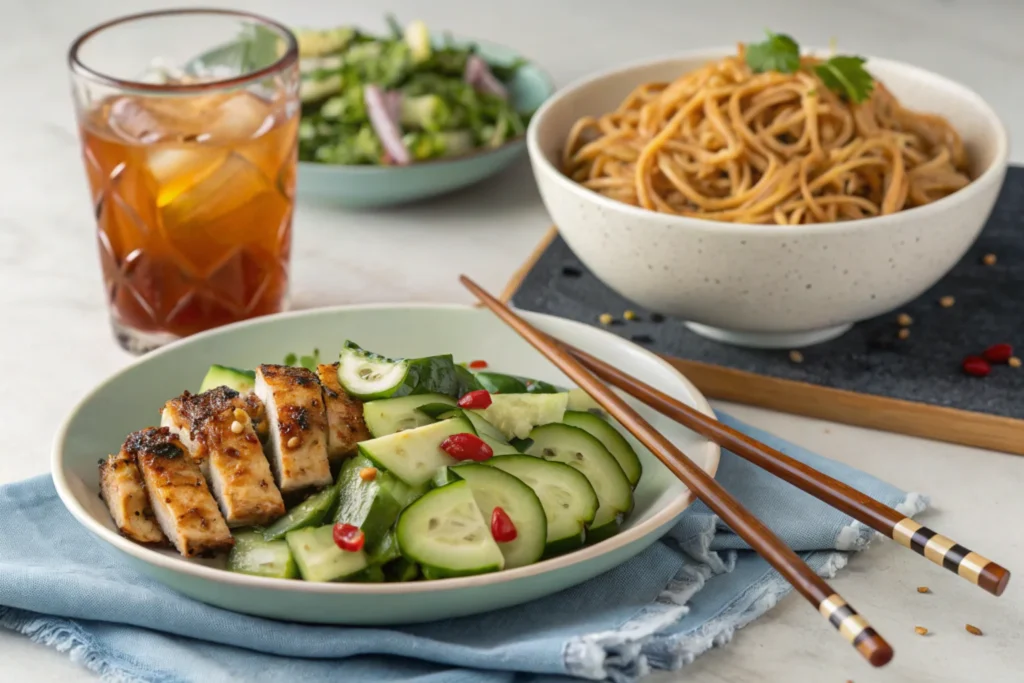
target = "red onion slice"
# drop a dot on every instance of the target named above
(393, 99)
(478, 74)
(384, 124)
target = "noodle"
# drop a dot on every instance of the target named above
(724, 143)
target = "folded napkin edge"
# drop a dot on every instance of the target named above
(66, 637)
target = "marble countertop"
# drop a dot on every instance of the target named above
(52, 306)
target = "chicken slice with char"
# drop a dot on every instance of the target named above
(297, 442)
(217, 428)
(345, 425)
(181, 502)
(124, 492)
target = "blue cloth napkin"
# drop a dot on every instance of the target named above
(685, 594)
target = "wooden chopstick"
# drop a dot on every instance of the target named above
(851, 625)
(892, 523)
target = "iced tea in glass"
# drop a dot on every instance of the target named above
(189, 124)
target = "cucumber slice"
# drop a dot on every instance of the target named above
(484, 429)
(612, 440)
(367, 375)
(310, 512)
(516, 414)
(253, 555)
(319, 559)
(577, 448)
(493, 488)
(498, 383)
(467, 381)
(372, 574)
(415, 455)
(372, 505)
(501, 447)
(581, 401)
(445, 532)
(385, 551)
(241, 381)
(390, 415)
(401, 570)
(536, 386)
(568, 499)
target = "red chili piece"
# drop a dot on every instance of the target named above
(467, 447)
(998, 353)
(502, 528)
(976, 366)
(478, 364)
(478, 399)
(349, 537)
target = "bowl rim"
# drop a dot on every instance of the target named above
(991, 174)
(367, 169)
(179, 565)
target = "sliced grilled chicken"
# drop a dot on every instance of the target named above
(217, 429)
(124, 492)
(252, 405)
(182, 503)
(345, 425)
(175, 418)
(297, 443)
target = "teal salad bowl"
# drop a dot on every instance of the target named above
(130, 400)
(363, 186)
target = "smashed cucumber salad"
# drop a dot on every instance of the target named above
(399, 99)
(467, 472)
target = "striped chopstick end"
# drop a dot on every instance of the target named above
(856, 630)
(944, 551)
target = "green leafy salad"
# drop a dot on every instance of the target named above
(400, 99)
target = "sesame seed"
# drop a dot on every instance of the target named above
(796, 357)
(1013, 362)
(947, 301)
(629, 315)
(989, 259)
(973, 630)
(240, 415)
(236, 427)
(904, 333)
(904, 320)
(605, 318)
(294, 442)
(368, 473)
(924, 589)
(920, 630)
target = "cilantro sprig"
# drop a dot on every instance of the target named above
(842, 74)
(847, 76)
(779, 53)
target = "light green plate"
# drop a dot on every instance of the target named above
(372, 186)
(131, 399)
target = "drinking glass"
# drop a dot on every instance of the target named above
(188, 121)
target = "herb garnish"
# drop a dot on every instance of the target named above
(308, 362)
(779, 53)
(847, 76)
(843, 74)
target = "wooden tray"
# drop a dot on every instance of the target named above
(873, 409)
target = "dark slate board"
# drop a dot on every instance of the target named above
(868, 359)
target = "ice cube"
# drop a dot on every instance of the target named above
(236, 206)
(177, 168)
(217, 117)
(221, 207)
(240, 116)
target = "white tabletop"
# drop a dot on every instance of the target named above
(53, 310)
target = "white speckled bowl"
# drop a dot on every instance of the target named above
(758, 285)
